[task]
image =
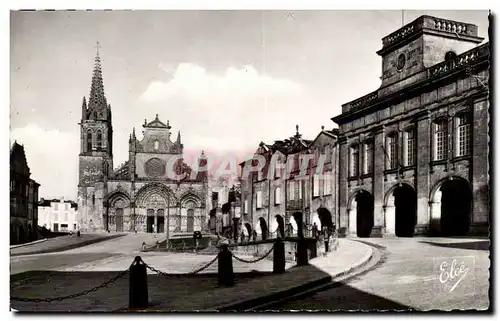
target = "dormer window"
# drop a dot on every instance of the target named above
(157, 145)
(450, 55)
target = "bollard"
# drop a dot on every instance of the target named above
(302, 258)
(279, 256)
(138, 288)
(225, 267)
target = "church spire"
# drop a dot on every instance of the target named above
(84, 108)
(97, 100)
(179, 137)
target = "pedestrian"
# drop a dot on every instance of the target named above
(78, 233)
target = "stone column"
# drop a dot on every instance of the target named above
(479, 165)
(390, 217)
(435, 213)
(353, 220)
(423, 131)
(344, 217)
(378, 181)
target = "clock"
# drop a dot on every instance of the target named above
(401, 62)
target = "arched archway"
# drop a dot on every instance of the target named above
(361, 217)
(263, 227)
(401, 210)
(248, 228)
(281, 225)
(451, 207)
(325, 218)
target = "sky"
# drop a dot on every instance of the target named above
(226, 79)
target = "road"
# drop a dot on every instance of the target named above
(412, 275)
(129, 245)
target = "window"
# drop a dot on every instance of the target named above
(463, 135)
(354, 161)
(66, 206)
(300, 189)
(56, 227)
(441, 140)
(392, 151)
(259, 199)
(66, 217)
(245, 207)
(327, 184)
(157, 145)
(64, 227)
(328, 154)
(56, 207)
(315, 185)
(54, 217)
(291, 190)
(99, 140)
(410, 147)
(11, 186)
(277, 170)
(368, 160)
(89, 141)
(277, 196)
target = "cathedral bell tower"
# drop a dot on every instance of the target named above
(96, 132)
(96, 153)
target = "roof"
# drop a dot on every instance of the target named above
(47, 202)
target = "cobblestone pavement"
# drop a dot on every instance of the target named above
(409, 278)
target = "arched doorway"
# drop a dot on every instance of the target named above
(263, 228)
(248, 228)
(405, 202)
(361, 214)
(190, 216)
(401, 211)
(451, 208)
(299, 225)
(325, 218)
(281, 225)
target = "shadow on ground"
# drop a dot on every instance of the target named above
(54, 284)
(345, 299)
(483, 245)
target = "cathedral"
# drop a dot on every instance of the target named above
(154, 191)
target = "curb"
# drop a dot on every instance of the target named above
(26, 244)
(311, 286)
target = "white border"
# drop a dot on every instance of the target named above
(186, 4)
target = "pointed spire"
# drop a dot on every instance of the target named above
(179, 137)
(133, 132)
(97, 99)
(322, 128)
(168, 124)
(84, 108)
(297, 134)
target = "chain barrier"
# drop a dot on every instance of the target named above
(72, 296)
(204, 267)
(253, 261)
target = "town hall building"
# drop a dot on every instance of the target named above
(142, 194)
(414, 153)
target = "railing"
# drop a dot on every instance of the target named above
(465, 59)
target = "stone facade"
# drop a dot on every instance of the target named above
(414, 153)
(272, 197)
(154, 191)
(23, 198)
